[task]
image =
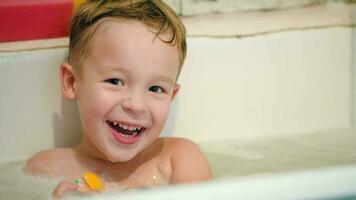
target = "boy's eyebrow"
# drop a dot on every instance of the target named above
(112, 68)
(165, 79)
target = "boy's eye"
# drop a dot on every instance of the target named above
(156, 89)
(115, 81)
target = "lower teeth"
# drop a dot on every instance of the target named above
(125, 135)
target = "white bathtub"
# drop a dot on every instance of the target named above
(285, 84)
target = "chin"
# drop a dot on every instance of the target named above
(120, 158)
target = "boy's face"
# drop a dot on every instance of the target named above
(126, 87)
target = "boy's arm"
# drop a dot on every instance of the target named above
(188, 163)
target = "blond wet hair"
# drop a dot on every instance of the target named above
(153, 13)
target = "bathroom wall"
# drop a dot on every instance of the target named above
(286, 83)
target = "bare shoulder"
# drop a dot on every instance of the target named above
(188, 162)
(178, 146)
(48, 161)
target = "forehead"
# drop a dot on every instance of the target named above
(129, 40)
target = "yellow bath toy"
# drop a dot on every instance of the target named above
(93, 181)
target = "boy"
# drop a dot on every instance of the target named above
(124, 60)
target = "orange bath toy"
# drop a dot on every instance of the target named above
(93, 181)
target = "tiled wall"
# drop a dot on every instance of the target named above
(198, 7)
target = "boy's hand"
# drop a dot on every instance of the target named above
(91, 183)
(65, 187)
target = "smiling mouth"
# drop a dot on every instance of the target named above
(126, 130)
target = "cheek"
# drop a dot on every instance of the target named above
(94, 104)
(160, 112)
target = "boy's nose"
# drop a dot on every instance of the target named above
(134, 103)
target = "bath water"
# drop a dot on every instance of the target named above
(243, 157)
(240, 157)
(15, 184)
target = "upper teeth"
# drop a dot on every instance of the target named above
(127, 127)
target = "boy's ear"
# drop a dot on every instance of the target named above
(68, 79)
(175, 91)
